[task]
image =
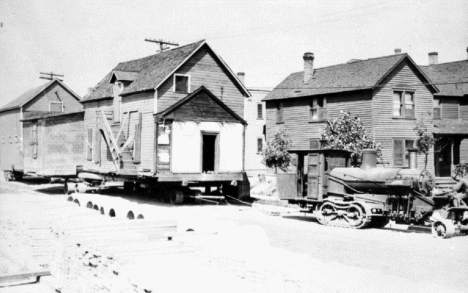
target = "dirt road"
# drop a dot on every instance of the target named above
(332, 259)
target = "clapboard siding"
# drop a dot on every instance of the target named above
(54, 93)
(90, 119)
(464, 111)
(136, 104)
(297, 116)
(204, 70)
(464, 150)
(449, 108)
(10, 140)
(387, 127)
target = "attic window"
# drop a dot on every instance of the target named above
(55, 107)
(181, 83)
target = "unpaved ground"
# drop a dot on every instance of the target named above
(340, 260)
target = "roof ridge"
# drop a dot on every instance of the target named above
(430, 65)
(361, 60)
(157, 54)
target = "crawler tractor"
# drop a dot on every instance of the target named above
(325, 185)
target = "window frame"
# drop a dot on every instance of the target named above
(260, 111)
(259, 144)
(175, 83)
(405, 158)
(403, 103)
(55, 102)
(436, 108)
(320, 109)
(279, 112)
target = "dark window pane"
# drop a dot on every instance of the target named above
(259, 145)
(181, 83)
(398, 152)
(259, 111)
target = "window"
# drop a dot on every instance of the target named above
(279, 112)
(318, 109)
(259, 111)
(33, 142)
(314, 143)
(55, 107)
(436, 107)
(181, 83)
(259, 145)
(400, 151)
(403, 104)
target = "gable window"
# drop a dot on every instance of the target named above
(279, 112)
(400, 151)
(259, 145)
(259, 111)
(55, 107)
(436, 107)
(403, 104)
(181, 83)
(318, 109)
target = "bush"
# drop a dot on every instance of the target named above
(275, 154)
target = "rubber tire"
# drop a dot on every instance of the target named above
(176, 197)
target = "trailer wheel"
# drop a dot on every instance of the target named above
(176, 197)
(443, 229)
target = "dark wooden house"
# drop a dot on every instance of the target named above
(450, 112)
(389, 94)
(176, 116)
(53, 97)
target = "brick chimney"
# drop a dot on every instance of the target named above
(397, 51)
(241, 76)
(308, 67)
(433, 58)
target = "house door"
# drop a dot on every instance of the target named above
(209, 153)
(443, 158)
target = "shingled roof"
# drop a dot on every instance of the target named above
(450, 78)
(31, 94)
(149, 72)
(352, 76)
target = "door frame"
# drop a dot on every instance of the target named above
(216, 158)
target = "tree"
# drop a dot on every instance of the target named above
(275, 153)
(348, 133)
(425, 140)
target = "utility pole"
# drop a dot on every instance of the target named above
(50, 76)
(161, 44)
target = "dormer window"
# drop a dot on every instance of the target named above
(181, 83)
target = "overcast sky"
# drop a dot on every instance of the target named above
(85, 39)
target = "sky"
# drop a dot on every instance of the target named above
(85, 39)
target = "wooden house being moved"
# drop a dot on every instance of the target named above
(168, 120)
(53, 97)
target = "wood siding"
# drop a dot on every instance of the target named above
(386, 127)
(297, 117)
(60, 146)
(203, 70)
(464, 150)
(11, 140)
(55, 93)
(449, 108)
(464, 110)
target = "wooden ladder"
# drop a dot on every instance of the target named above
(111, 142)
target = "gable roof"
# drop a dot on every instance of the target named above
(194, 94)
(347, 77)
(34, 92)
(451, 78)
(150, 72)
(123, 75)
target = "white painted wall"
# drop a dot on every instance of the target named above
(186, 146)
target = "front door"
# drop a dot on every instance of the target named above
(443, 158)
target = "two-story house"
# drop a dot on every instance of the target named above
(450, 112)
(389, 94)
(51, 98)
(173, 118)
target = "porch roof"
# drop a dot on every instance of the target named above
(451, 127)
